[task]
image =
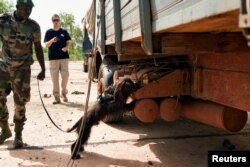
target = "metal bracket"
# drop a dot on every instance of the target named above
(146, 27)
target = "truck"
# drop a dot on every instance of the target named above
(190, 58)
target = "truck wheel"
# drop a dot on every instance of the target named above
(105, 79)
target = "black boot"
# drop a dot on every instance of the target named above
(6, 133)
(18, 141)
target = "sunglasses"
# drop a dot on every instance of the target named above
(56, 20)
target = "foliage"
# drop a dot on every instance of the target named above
(45, 51)
(68, 22)
(6, 6)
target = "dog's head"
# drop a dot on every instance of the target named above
(124, 91)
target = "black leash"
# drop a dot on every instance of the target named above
(79, 139)
(47, 111)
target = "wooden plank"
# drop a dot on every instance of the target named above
(188, 43)
(132, 48)
(130, 21)
(130, 57)
(172, 84)
(227, 62)
(170, 14)
(225, 87)
(175, 16)
(109, 22)
(226, 22)
(111, 50)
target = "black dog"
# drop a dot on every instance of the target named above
(116, 99)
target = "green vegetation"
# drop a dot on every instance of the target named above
(6, 6)
(68, 23)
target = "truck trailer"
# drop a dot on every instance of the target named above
(190, 58)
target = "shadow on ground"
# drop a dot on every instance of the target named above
(52, 158)
(182, 143)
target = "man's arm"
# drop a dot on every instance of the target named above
(40, 58)
(50, 42)
(47, 41)
(67, 46)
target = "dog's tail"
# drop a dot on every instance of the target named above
(74, 126)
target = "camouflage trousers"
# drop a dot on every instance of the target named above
(18, 80)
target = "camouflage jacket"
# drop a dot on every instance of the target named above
(17, 41)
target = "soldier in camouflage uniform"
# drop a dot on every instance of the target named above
(18, 33)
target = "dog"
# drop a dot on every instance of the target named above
(117, 98)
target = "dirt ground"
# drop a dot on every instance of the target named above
(127, 144)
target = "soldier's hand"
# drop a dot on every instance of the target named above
(41, 75)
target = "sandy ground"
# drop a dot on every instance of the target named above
(127, 144)
(39, 133)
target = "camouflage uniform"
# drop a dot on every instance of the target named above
(17, 40)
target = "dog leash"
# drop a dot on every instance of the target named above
(46, 111)
(94, 50)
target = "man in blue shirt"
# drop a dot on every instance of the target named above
(57, 40)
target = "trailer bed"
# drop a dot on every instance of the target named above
(173, 16)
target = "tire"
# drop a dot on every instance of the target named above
(105, 79)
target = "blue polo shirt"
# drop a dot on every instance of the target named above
(55, 50)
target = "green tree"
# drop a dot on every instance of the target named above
(68, 22)
(6, 6)
(77, 40)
